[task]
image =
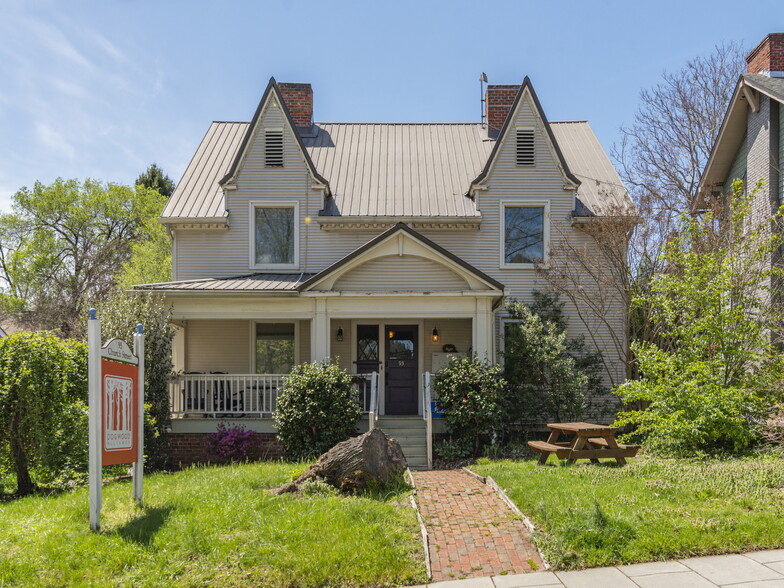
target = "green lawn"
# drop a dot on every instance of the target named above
(651, 509)
(212, 526)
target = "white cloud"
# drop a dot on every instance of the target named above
(108, 47)
(69, 88)
(53, 38)
(51, 138)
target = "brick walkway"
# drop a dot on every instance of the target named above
(471, 531)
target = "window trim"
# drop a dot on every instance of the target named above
(252, 206)
(504, 204)
(254, 322)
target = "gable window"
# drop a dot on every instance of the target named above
(525, 147)
(274, 235)
(274, 348)
(525, 234)
(273, 148)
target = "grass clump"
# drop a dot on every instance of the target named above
(651, 509)
(210, 526)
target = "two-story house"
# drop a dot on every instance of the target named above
(750, 143)
(386, 247)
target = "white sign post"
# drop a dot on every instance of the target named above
(116, 410)
(94, 415)
(138, 465)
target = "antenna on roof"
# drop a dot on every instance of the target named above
(482, 82)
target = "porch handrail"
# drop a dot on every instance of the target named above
(373, 407)
(427, 414)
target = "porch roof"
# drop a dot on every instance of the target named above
(258, 282)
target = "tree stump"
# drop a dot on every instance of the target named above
(352, 464)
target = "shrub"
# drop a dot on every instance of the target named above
(452, 449)
(43, 399)
(234, 443)
(470, 392)
(550, 377)
(317, 409)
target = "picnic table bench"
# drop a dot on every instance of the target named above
(588, 441)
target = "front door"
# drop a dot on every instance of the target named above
(402, 371)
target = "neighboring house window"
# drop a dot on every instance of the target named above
(273, 148)
(274, 236)
(274, 348)
(525, 147)
(525, 234)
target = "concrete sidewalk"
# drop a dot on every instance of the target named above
(760, 569)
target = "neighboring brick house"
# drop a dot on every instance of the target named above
(387, 247)
(750, 144)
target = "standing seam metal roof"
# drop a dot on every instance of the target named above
(396, 169)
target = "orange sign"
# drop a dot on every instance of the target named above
(119, 421)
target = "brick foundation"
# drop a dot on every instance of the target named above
(195, 448)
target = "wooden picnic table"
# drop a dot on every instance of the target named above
(587, 441)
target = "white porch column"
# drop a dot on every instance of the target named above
(178, 347)
(483, 328)
(319, 331)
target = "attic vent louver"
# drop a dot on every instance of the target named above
(525, 147)
(273, 149)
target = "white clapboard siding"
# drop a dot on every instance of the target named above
(214, 345)
(225, 253)
(455, 332)
(400, 273)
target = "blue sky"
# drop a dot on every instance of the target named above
(102, 89)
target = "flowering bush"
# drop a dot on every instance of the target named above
(234, 443)
(470, 392)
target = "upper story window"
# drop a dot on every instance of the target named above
(525, 147)
(273, 148)
(274, 236)
(525, 234)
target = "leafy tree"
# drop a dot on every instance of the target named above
(713, 374)
(317, 409)
(43, 405)
(157, 180)
(151, 256)
(119, 315)
(63, 244)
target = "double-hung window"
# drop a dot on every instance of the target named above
(525, 234)
(274, 348)
(274, 236)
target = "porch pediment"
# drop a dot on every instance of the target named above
(401, 260)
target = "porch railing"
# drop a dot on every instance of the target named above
(246, 395)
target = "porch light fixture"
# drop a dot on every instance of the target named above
(339, 334)
(435, 335)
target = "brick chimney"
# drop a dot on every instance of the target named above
(768, 56)
(498, 103)
(299, 101)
